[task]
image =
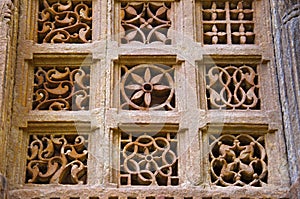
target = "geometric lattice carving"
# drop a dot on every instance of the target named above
(64, 21)
(145, 22)
(148, 159)
(147, 87)
(232, 87)
(238, 160)
(61, 88)
(57, 159)
(228, 22)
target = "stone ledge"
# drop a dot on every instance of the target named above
(178, 192)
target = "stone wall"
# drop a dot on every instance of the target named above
(286, 15)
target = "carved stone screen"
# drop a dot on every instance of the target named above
(238, 160)
(61, 88)
(139, 99)
(147, 87)
(145, 22)
(65, 21)
(57, 159)
(232, 86)
(148, 159)
(228, 22)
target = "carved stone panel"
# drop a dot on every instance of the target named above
(228, 22)
(238, 160)
(57, 159)
(63, 21)
(232, 86)
(147, 87)
(145, 22)
(148, 159)
(61, 88)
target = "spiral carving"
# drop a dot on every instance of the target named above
(65, 21)
(232, 87)
(57, 159)
(61, 88)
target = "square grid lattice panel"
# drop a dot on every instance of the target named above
(228, 22)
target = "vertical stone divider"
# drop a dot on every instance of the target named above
(8, 26)
(286, 27)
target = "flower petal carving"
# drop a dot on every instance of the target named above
(148, 87)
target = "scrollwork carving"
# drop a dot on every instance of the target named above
(238, 160)
(232, 87)
(61, 88)
(57, 159)
(149, 160)
(65, 21)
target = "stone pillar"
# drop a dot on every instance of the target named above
(6, 83)
(286, 24)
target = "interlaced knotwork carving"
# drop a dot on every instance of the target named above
(64, 21)
(57, 159)
(229, 22)
(145, 22)
(61, 88)
(149, 159)
(147, 87)
(232, 87)
(238, 160)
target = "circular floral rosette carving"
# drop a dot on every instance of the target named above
(148, 87)
(151, 159)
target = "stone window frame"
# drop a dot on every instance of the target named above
(263, 70)
(57, 60)
(56, 129)
(115, 119)
(252, 129)
(143, 128)
(136, 59)
(32, 25)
